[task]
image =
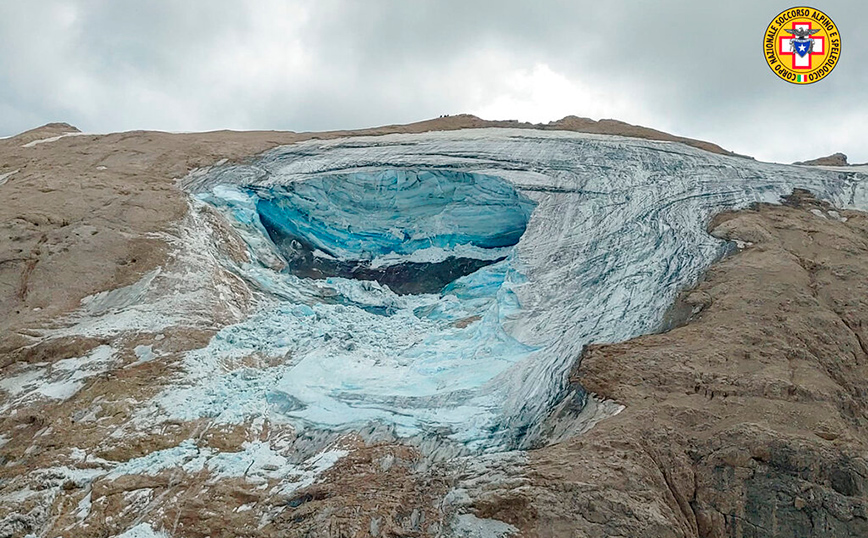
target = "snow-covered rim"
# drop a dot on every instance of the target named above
(52, 139)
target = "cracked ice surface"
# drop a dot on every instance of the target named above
(617, 229)
(341, 352)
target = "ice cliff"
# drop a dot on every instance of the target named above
(443, 284)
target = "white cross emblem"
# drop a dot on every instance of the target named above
(801, 62)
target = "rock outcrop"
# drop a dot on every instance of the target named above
(835, 159)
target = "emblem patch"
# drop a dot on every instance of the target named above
(802, 45)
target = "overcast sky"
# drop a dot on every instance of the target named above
(693, 68)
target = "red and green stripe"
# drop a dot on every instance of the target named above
(801, 78)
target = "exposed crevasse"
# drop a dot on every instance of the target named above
(607, 230)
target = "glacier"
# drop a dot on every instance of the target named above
(441, 285)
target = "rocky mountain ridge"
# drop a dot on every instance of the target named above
(745, 419)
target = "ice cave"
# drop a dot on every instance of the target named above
(414, 231)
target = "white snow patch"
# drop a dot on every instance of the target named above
(79, 477)
(19, 496)
(61, 390)
(439, 254)
(142, 530)
(95, 362)
(120, 298)
(5, 177)
(58, 381)
(320, 254)
(470, 526)
(23, 382)
(143, 354)
(83, 509)
(312, 468)
(51, 139)
(257, 462)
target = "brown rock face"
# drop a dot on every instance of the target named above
(835, 159)
(748, 421)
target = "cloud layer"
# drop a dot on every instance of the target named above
(691, 68)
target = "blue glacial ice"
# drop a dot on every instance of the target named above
(364, 215)
(531, 244)
(413, 231)
(347, 352)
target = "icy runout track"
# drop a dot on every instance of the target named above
(444, 284)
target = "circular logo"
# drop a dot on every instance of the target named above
(802, 45)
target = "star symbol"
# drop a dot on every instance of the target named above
(801, 47)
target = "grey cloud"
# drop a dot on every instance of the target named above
(694, 68)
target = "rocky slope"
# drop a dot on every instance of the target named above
(746, 419)
(749, 420)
